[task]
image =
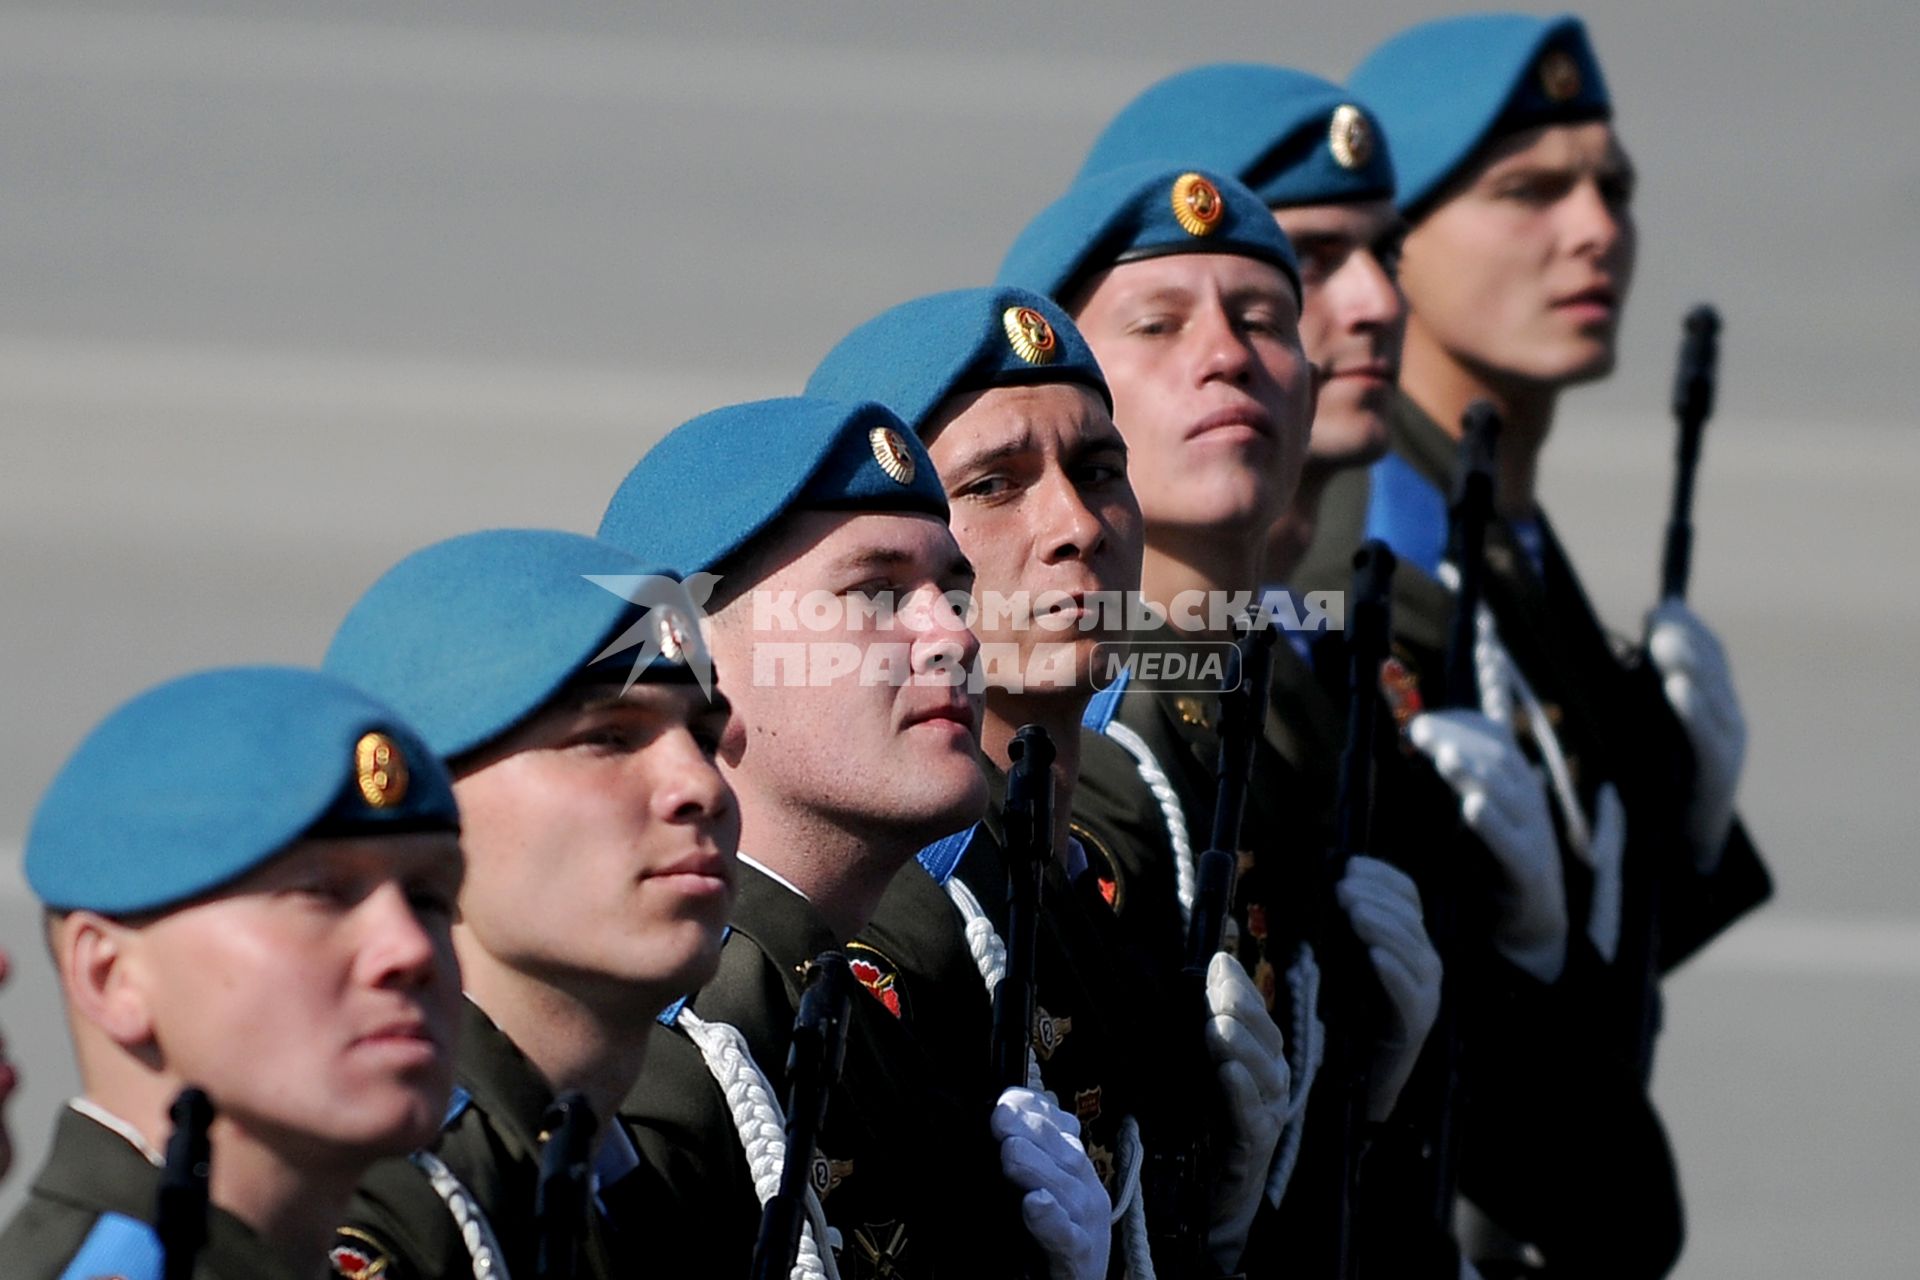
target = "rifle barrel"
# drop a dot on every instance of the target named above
(814, 1062)
(1029, 848)
(1693, 393)
(180, 1208)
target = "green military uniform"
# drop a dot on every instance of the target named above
(1123, 829)
(908, 1172)
(1612, 721)
(1551, 1084)
(1105, 1034)
(86, 1216)
(1281, 896)
(407, 1224)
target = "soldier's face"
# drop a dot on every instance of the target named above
(848, 664)
(1210, 387)
(1037, 478)
(1522, 272)
(1351, 320)
(316, 999)
(601, 845)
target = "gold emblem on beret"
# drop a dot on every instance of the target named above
(1032, 337)
(1350, 137)
(1559, 76)
(670, 633)
(890, 451)
(380, 770)
(1197, 205)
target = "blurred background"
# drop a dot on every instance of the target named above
(287, 291)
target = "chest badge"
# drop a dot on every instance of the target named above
(1049, 1032)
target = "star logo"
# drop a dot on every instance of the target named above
(669, 630)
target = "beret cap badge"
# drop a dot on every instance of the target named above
(1032, 337)
(1350, 137)
(890, 451)
(670, 631)
(1197, 205)
(1559, 76)
(380, 770)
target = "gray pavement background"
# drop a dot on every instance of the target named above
(293, 289)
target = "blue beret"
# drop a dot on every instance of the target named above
(469, 637)
(1291, 137)
(714, 484)
(1142, 211)
(920, 354)
(1443, 89)
(197, 782)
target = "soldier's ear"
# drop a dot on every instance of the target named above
(104, 976)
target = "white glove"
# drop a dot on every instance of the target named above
(1502, 800)
(1384, 908)
(1606, 854)
(1062, 1202)
(1250, 1060)
(1699, 684)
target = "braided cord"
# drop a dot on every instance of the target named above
(762, 1128)
(476, 1233)
(1185, 877)
(1309, 1051)
(990, 958)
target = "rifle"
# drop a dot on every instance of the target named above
(1243, 713)
(1693, 386)
(560, 1196)
(1468, 516)
(814, 1060)
(1174, 1183)
(1027, 819)
(180, 1207)
(1029, 847)
(1350, 999)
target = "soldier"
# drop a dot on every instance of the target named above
(1015, 415)
(249, 877)
(1188, 293)
(1316, 155)
(855, 745)
(562, 680)
(1516, 263)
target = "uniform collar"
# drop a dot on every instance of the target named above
(94, 1167)
(92, 1164)
(779, 918)
(505, 1086)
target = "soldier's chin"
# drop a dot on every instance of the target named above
(1585, 361)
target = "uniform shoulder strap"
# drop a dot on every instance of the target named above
(943, 857)
(118, 1246)
(1408, 513)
